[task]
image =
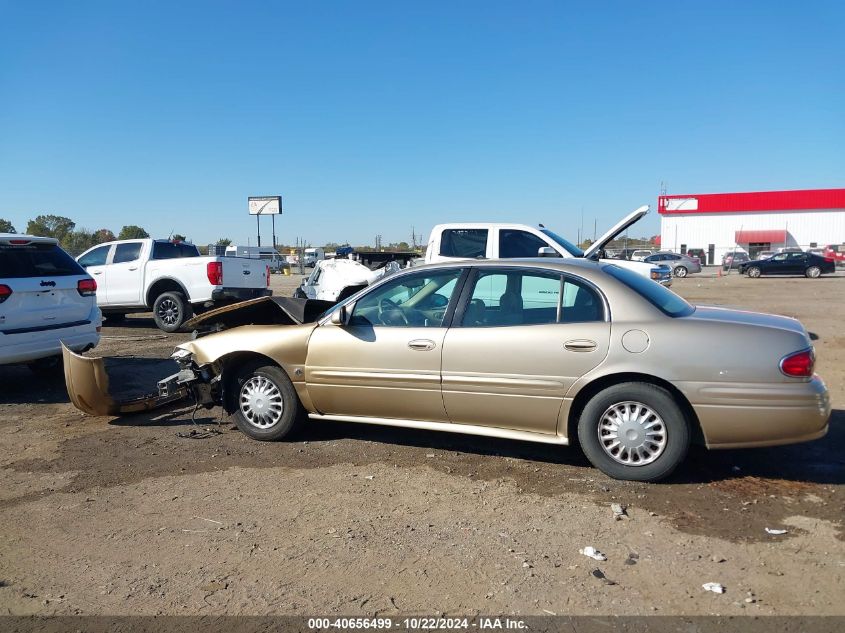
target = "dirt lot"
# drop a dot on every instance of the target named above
(126, 517)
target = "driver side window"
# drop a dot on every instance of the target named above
(415, 300)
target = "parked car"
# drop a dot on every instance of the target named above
(46, 298)
(735, 258)
(765, 254)
(534, 350)
(681, 265)
(640, 254)
(698, 253)
(806, 264)
(169, 278)
(482, 240)
(836, 252)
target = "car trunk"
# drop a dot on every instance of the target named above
(42, 303)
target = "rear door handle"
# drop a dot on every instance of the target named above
(134, 268)
(580, 345)
(98, 272)
(421, 344)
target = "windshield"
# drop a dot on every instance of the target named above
(660, 297)
(567, 245)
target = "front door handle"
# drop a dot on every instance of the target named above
(133, 268)
(421, 344)
(98, 272)
(580, 345)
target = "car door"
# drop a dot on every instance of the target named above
(385, 362)
(796, 263)
(125, 275)
(94, 263)
(515, 243)
(776, 265)
(519, 340)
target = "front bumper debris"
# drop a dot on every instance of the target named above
(88, 387)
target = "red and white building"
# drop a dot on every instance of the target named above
(755, 221)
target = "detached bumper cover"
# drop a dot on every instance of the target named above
(88, 387)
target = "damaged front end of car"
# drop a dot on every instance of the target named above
(88, 386)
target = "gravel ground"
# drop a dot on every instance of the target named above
(125, 517)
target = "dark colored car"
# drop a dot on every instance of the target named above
(806, 264)
(735, 258)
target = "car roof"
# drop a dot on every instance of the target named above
(7, 238)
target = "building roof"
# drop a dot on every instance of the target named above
(796, 200)
(774, 236)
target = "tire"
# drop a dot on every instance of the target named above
(753, 272)
(50, 367)
(681, 271)
(813, 272)
(270, 380)
(171, 310)
(656, 461)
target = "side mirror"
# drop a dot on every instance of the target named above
(342, 315)
(547, 251)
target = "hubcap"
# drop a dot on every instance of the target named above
(680, 271)
(814, 272)
(261, 402)
(168, 311)
(632, 433)
(754, 272)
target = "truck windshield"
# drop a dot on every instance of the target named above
(661, 298)
(568, 246)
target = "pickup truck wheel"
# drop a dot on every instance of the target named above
(171, 310)
(634, 431)
(263, 401)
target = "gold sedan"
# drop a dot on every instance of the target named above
(537, 350)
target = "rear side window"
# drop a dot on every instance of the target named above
(126, 252)
(169, 250)
(514, 243)
(661, 298)
(36, 260)
(470, 243)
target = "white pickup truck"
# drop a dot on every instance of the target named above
(451, 242)
(170, 278)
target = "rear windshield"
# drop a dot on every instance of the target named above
(36, 260)
(661, 298)
(169, 250)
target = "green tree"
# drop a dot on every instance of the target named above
(6, 226)
(132, 232)
(50, 225)
(104, 235)
(177, 237)
(224, 241)
(79, 241)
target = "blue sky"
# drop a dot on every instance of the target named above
(373, 117)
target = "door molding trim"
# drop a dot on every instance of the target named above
(448, 427)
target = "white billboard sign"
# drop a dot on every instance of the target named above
(682, 204)
(265, 205)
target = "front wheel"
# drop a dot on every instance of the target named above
(813, 272)
(753, 272)
(681, 271)
(263, 401)
(634, 431)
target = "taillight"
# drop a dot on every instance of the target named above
(214, 270)
(829, 260)
(799, 364)
(268, 276)
(5, 292)
(87, 287)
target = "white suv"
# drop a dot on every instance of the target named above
(46, 299)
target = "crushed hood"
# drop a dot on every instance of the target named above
(617, 228)
(262, 311)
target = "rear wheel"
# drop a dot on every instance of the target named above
(634, 431)
(263, 401)
(813, 272)
(171, 310)
(753, 272)
(681, 271)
